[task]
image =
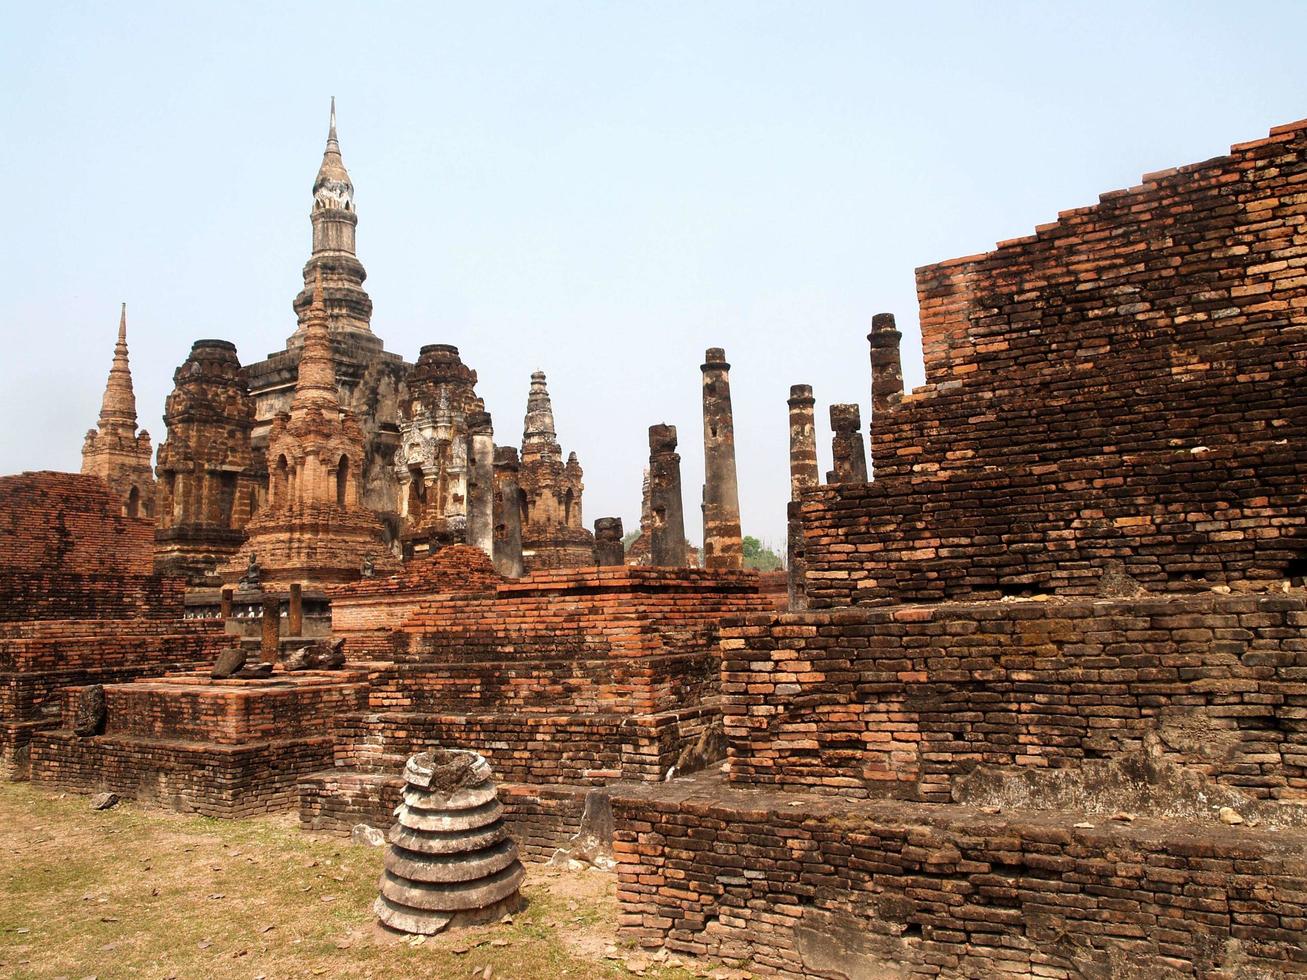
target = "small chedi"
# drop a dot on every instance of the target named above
(451, 860)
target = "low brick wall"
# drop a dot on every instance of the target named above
(900, 701)
(192, 777)
(810, 886)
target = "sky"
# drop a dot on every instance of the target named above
(597, 190)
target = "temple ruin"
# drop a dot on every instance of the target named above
(1035, 705)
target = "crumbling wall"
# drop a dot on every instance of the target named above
(904, 701)
(1123, 385)
(802, 886)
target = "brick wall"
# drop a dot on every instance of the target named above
(1125, 384)
(901, 701)
(68, 522)
(79, 603)
(802, 886)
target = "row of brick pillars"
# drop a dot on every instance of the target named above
(848, 452)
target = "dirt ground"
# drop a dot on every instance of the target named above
(141, 892)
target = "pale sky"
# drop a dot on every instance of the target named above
(599, 191)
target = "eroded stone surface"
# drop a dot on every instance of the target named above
(451, 859)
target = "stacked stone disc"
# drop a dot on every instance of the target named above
(450, 860)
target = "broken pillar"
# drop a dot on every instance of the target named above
(608, 541)
(847, 449)
(271, 629)
(451, 861)
(804, 475)
(667, 534)
(481, 484)
(722, 544)
(507, 545)
(886, 364)
(224, 604)
(295, 620)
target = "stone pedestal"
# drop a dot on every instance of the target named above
(450, 861)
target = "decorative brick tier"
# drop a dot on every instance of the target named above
(905, 700)
(224, 748)
(1123, 385)
(803, 885)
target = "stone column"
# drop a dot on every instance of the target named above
(886, 365)
(667, 536)
(295, 621)
(271, 628)
(796, 563)
(608, 541)
(507, 547)
(224, 603)
(804, 474)
(722, 544)
(847, 450)
(481, 484)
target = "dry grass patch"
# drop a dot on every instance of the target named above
(140, 892)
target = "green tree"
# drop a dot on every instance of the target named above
(759, 556)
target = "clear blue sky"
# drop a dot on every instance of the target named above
(597, 190)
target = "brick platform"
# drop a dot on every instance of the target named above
(565, 678)
(804, 885)
(227, 748)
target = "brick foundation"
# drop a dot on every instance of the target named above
(808, 886)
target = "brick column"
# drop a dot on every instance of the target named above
(722, 542)
(271, 628)
(295, 624)
(608, 541)
(481, 484)
(667, 537)
(847, 449)
(507, 547)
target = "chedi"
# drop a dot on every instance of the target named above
(450, 860)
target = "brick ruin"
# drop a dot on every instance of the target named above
(79, 603)
(1037, 705)
(1045, 713)
(424, 466)
(210, 481)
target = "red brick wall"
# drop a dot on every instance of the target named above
(1127, 383)
(802, 887)
(901, 701)
(70, 523)
(565, 676)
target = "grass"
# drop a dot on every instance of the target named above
(142, 892)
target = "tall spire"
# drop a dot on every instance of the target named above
(538, 430)
(334, 220)
(118, 406)
(332, 189)
(316, 384)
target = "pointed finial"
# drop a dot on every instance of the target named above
(331, 133)
(122, 325)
